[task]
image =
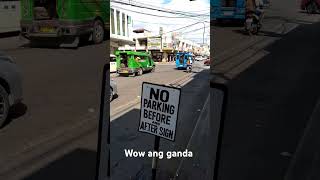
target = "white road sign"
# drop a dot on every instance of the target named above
(159, 110)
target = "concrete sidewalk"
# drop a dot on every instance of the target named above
(269, 105)
(200, 165)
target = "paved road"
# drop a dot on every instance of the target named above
(61, 88)
(130, 87)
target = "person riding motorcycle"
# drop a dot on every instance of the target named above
(189, 64)
(255, 7)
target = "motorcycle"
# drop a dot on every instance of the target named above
(189, 66)
(252, 23)
(189, 69)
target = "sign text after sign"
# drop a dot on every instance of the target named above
(159, 110)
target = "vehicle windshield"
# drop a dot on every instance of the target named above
(44, 10)
(180, 57)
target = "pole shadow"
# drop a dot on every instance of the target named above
(78, 164)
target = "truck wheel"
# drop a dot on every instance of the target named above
(153, 69)
(98, 32)
(4, 105)
(140, 72)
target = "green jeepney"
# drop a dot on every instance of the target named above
(66, 20)
(134, 63)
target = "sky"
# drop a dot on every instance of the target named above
(152, 23)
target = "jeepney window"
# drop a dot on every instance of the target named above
(181, 56)
(139, 58)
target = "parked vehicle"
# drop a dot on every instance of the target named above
(113, 63)
(311, 6)
(184, 60)
(228, 9)
(134, 63)
(10, 86)
(113, 90)
(65, 21)
(9, 16)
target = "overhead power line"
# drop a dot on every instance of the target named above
(160, 10)
(171, 10)
(150, 14)
(183, 27)
(168, 24)
(194, 30)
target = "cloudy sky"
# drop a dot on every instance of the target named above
(197, 12)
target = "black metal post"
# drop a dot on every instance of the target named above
(155, 159)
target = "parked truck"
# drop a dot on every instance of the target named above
(65, 21)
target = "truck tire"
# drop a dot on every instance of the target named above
(4, 105)
(98, 32)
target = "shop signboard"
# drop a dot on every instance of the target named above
(154, 43)
(167, 46)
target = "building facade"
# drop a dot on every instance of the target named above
(121, 26)
(162, 46)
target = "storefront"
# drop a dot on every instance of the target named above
(168, 52)
(154, 46)
(156, 55)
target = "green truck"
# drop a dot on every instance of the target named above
(134, 63)
(65, 21)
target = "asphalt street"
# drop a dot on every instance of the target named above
(61, 88)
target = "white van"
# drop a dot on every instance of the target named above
(113, 63)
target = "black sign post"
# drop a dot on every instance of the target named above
(155, 159)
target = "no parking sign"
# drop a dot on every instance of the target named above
(159, 110)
